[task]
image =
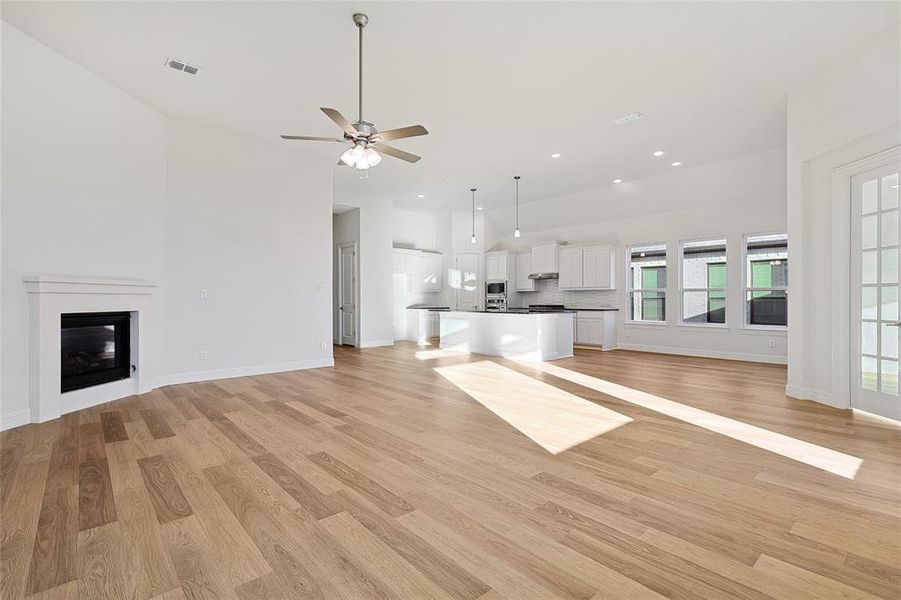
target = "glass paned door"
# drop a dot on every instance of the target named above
(875, 276)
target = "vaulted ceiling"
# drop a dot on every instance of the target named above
(499, 85)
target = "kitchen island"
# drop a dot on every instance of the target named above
(526, 335)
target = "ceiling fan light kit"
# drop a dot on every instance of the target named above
(368, 142)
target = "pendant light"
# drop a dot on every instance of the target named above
(472, 240)
(516, 232)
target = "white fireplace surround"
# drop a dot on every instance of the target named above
(49, 297)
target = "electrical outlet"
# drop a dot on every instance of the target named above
(772, 342)
(204, 355)
(204, 293)
(324, 346)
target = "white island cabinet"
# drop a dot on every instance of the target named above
(528, 336)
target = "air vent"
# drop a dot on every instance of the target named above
(628, 118)
(180, 65)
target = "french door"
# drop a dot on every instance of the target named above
(875, 276)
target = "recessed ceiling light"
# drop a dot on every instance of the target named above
(658, 152)
(677, 163)
(617, 180)
(478, 208)
(420, 195)
(556, 155)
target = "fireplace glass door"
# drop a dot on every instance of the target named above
(95, 349)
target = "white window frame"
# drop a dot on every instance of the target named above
(630, 289)
(745, 288)
(683, 289)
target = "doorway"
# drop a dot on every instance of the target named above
(466, 279)
(347, 293)
(875, 277)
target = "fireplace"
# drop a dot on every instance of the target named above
(95, 349)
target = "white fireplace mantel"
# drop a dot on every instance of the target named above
(52, 295)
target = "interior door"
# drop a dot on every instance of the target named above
(875, 318)
(469, 289)
(347, 293)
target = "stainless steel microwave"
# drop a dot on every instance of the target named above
(496, 288)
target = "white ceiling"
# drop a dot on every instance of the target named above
(499, 85)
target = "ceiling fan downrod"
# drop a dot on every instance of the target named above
(361, 20)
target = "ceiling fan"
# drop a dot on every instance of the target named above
(368, 142)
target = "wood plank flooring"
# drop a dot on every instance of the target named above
(381, 478)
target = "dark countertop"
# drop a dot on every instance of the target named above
(427, 307)
(592, 309)
(512, 311)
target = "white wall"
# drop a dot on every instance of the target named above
(83, 188)
(251, 223)
(729, 198)
(345, 229)
(97, 184)
(842, 112)
(414, 229)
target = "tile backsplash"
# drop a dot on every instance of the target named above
(547, 291)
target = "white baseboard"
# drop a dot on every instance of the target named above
(15, 418)
(805, 393)
(761, 358)
(195, 376)
(376, 343)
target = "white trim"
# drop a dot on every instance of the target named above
(803, 393)
(712, 327)
(376, 344)
(631, 323)
(761, 358)
(841, 270)
(195, 376)
(15, 418)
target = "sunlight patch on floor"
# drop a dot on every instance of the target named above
(440, 353)
(552, 418)
(826, 459)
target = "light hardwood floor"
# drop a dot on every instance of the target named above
(381, 478)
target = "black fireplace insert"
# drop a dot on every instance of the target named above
(95, 349)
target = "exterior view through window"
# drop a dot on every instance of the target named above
(704, 282)
(766, 295)
(647, 283)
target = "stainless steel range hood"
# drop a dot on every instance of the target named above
(544, 276)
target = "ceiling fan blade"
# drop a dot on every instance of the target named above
(401, 132)
(342, 122)
(313, 138)
(396, 152)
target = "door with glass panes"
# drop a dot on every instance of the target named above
(875, 324)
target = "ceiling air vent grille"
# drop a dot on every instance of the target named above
(180, 65)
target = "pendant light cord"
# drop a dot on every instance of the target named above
(516, 178)
(473, 190)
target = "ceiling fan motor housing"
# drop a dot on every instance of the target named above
(365, 128)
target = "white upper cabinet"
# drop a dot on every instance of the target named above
(523, 270)
(496, 266)
(544, 258)
(570, 268)
(587, 268)
(434, 267)
(424, 270)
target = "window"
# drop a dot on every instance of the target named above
(647, 283)
(704, 282)
(766, 280)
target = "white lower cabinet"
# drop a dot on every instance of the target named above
(595, 328)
